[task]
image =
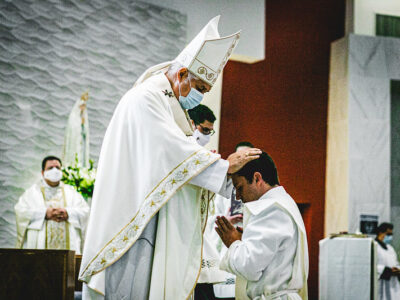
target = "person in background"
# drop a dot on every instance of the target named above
(203, 120)
(388, 264)
(51, 214)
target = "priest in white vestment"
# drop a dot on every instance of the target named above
(388, 265)
(51, 214)
(154, 181)
(269, 257)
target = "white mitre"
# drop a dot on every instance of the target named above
(205, 56)
(208, 53)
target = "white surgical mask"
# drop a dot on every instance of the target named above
(53, 175)
(201, 138)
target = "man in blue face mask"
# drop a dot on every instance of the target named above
(388, 264)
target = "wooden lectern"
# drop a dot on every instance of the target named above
(37, 274)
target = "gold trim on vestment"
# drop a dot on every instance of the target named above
(152, 203)
(45, 220)
(66, 222)
(66, 227)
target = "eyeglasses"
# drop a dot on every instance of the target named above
(207, 131)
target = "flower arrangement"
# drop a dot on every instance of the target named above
(80, 177)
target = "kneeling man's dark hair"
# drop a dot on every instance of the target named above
(47, 158)
(244, 144)
(265, 166)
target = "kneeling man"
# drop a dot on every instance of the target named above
(269, 256)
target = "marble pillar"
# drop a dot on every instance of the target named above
(359, 130)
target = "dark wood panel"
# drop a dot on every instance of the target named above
(78, 261)
(37, 274)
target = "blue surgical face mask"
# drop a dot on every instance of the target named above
(192, 99)
(388, 239)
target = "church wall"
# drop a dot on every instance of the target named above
(247, 16)
(280, 104)
(370, 62)
(373, 62)
(366, 10)
(50, 53)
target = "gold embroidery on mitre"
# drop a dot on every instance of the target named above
(207, 74)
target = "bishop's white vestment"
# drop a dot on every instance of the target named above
(35, 232)
(389, 289)
(149, 168)
(271, 260)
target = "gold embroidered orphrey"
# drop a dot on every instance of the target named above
(57, 233)
(156, 199)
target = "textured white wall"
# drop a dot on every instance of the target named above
(249, 16)
(50, 53)
(358, 172)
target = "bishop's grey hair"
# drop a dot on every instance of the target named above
(175, 66)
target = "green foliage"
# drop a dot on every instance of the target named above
(81, 178)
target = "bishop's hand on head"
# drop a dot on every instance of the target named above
(238, 159)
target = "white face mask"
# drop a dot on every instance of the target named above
(53, 175)
(201, 138)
